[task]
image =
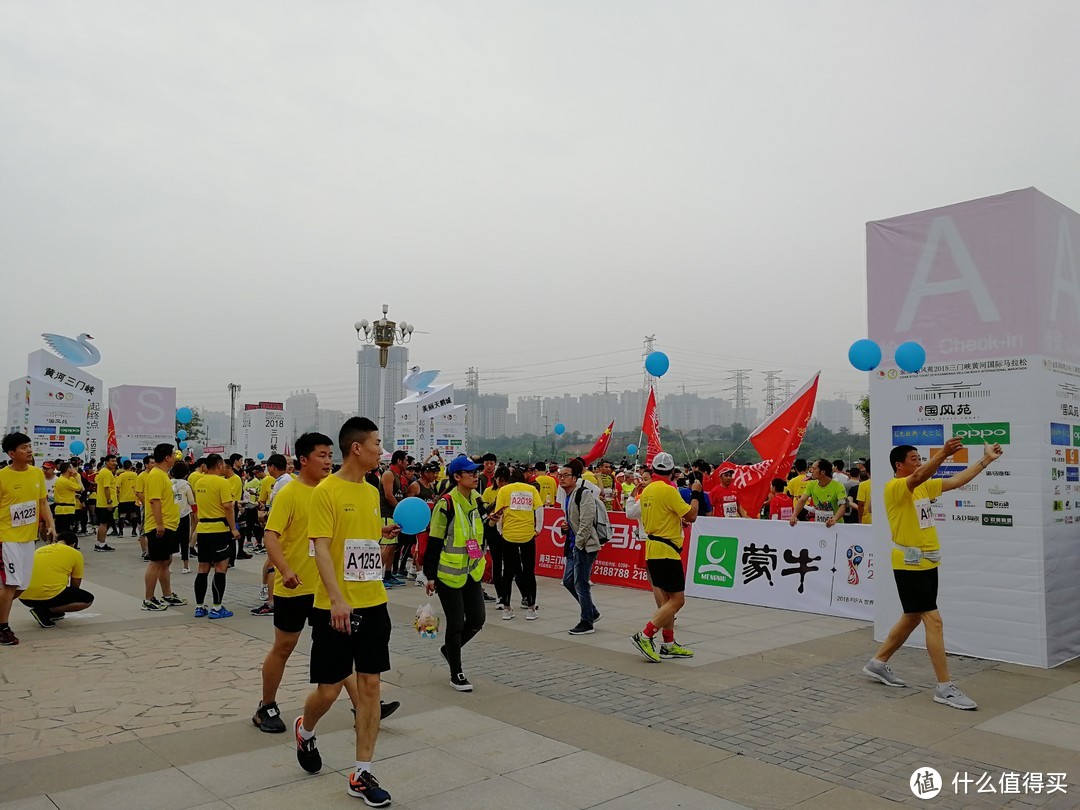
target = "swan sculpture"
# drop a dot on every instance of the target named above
(78, 351)
(419, 382)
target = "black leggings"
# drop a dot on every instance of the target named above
(519, 564)
(465, 613)
(496, 545)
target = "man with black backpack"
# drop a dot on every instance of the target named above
(581, 542)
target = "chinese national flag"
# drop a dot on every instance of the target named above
(601, 446)
(651, 429)
(777, 440)
(110, 441)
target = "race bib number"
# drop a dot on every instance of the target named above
(521, 501)
(786, 512)
(731, 509)
(362, 561)
(925, 511)
(178, 497)
(24, 514)
(823, 515)
(310, 547)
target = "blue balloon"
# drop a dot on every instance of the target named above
(184, 415)
(910, 356)
(631, 449)
(864, 354)
(412, 515)
(77, 447)
(259, 456)
(560, 428)
(657, 364)
(123, 459)
(183, 445)
(181, 434)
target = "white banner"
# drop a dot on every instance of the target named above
(807, 567)
(429, 421)
(263, 430)
(63, 405)
(144, 417)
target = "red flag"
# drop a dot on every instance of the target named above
(110, 442)
(777, 440)
(651, 429)
(601, 446)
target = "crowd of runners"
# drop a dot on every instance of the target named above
(331, 548)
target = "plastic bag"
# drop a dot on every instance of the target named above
(426, 622)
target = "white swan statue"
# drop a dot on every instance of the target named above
(78, 352)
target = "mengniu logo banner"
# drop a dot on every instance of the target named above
(982, 433)
(1059, 434)
(715, 563)
(1076, 435)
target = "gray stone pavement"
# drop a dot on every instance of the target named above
(125, 708)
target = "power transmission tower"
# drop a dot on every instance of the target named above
(234, 389)
(606, 379)
(739, 377)
(789, 386)
(772, 388)
(649, 381)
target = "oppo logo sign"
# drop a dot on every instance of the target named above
(983, 433)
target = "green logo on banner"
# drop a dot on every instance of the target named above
(983, 433)
(70, 431)
(1076, 435)
(715, 563)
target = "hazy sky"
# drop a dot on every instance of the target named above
(217, 191)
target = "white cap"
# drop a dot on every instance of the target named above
(663, 463)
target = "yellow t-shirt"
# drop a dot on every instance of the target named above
(288, 519)
(236, 487)
(211, 496)
(864, 495)
(140, 485)
(911, 520)
(105, 478)
(549, 489)
(21, 494)
(126, 482)
(346, 512)
(588, 476)
(53, 564)
(193, 479)
(488, 498)
(796, 487)
(662, 509)
(266, 486)
(519, 519)
(65, 492)
(158, 487)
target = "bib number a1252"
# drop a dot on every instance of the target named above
(362, 561)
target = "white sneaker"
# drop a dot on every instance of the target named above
(533, 614)
(421, 580)
(951, 695)
(264, 592)
(508, 614)
(185, 571)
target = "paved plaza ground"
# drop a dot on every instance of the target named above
(122, 708)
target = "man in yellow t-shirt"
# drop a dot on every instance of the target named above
(519, 507)
(216, 535)
(162, 521)
(24, 502)
(796, 486)
(916, 553)
(548, 486)
(106, 500)
(66, 496)
(663, 512)
(129, 509)
(235, 483)
(350, 623)
(862, 498)
(54, 587)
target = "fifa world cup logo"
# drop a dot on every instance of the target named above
(854, 557)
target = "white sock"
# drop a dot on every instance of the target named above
(363, 766)
(304, 733)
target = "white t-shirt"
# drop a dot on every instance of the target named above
(843, 479)
(279, 485)
(50, 488)
(183, 496)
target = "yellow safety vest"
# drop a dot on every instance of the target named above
(454, 562)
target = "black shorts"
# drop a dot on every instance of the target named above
(161, 548)
(214, 546)
(335, 656)
(917, 589)
(68, 596)
(65, 523)
(129, 509)
(667, 575)
(292, 612)
(104, 515)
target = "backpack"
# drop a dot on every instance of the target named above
(603, 522)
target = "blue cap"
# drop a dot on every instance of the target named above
(461, 464)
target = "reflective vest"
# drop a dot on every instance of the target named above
(454, 562)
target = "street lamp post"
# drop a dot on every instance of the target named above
(383, 333)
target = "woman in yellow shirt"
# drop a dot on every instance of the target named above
(65, 496)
